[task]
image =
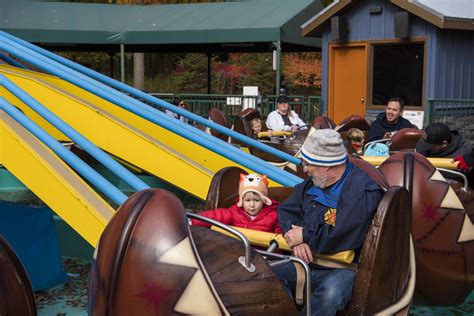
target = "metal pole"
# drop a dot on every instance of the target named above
(151, 114)
(67, 130)
(122, 62)
(111, 55)
(209, 55)
(106, 83)
(278, 68)
(68, 156)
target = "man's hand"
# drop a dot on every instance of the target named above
(294, 127)
(387, 135)
(294, 236)
(303, 251)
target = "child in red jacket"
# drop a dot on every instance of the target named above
(254, 210)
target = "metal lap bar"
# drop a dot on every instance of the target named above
(245, 260)
(286, 259)
(273, 245)
(459, 174)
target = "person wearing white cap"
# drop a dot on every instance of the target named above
(328, 213)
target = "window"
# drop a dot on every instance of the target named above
(398, 72)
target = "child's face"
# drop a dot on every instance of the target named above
(358, 143)
(252, 203)
(257, 127)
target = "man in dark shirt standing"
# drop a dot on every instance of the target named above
(329, 213)
(389, 122)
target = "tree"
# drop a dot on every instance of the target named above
(190, 75)
(303, 72)
(259, 71)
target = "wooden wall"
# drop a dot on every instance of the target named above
(449, 64)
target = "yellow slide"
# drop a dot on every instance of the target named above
(123, 134)
(52, 180)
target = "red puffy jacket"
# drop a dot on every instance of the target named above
(266, 220)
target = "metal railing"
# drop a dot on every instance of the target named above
(308, 107)
(245, 260)
(437, 108)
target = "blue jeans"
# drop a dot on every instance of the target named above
(331, 288)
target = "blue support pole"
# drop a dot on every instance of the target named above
(12, 61)
(142, 95)
(158, 117)
(80, 166)
(67, 130)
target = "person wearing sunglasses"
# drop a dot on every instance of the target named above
(182, 105)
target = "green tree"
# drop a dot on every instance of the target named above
(259, 71)
(191, 74)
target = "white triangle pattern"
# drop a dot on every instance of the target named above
(197, 298)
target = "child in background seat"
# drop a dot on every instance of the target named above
(356, 138)
(256, 125)
(254, 210)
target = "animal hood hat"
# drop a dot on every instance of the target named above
(254, 183)
(324, 147)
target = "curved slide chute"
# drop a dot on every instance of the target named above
(52, 180)
(118, 131)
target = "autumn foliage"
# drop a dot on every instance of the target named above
(303, 69)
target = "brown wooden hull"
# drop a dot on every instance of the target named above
(16, 294)
(147, 263)
(441, 230)
(242, 292)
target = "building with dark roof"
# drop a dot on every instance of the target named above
(374, 50)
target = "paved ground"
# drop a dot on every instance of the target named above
(71, 298)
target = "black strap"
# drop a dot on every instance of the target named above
(286, 119)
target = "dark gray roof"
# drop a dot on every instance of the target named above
(257, 21)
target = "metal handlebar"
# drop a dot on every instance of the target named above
(287, 259)
(459, 174)
(243, 260)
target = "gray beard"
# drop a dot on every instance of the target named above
(319, 182)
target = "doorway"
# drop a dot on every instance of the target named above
(347, 89)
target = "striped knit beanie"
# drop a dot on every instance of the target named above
(324, 147)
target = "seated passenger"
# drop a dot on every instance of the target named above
(284, 119)
(328, 213)
(254, 210)
(439, 141)
(181, 104)
(389, 122)
(356, 138)
(256, 125)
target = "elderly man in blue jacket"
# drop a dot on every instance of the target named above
(328, 213)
